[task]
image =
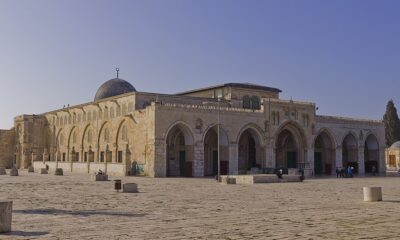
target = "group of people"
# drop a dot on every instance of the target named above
(344, 172)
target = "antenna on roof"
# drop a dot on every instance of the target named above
(117, 69)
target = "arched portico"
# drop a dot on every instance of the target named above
(350, 152)
(324, 154)
(211, 152)
(179, 151)
(371, 154)
(290, 147)
(250, 152)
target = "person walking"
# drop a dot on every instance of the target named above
(337, 172)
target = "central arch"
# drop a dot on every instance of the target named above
(211, 152)
(179, 151)
(350, 152)
(324, 154)
(290, 147)
(250, 152)
(371, 154)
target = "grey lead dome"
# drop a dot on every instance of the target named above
(113, 88)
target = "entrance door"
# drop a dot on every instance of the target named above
(182, 159)
(215, 162)
(252, 154)
(291, 159)
(317, 162)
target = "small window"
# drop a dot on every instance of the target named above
(119, 156)
(101, 156)
(246, 102)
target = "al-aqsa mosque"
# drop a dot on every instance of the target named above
(127, 132)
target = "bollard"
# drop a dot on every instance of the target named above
(2, 171)
(59, 172)
(14, 172)
(372, 194)
(117, 184)
(129, 188)
(5, 216)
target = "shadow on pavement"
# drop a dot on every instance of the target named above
(24, 234)
(51, 211)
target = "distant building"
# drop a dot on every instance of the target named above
(393, 157)
(128, 132)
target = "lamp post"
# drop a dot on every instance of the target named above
(218, 136)
(218, 158)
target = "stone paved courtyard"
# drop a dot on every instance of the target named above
(74, 207)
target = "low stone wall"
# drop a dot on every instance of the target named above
(115, 169)
(259, 178)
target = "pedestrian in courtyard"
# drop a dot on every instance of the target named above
(342, 172)
(337, 172)
(349, 172)
(373, 170)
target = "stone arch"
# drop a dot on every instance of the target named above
(290, 146)
(73, 145)
(60, 146)
(324, 153)
(350, 151)
(104, 143)
(179, 147)
(124, 141)
(371, 153)
(88, 143)
(210, 143)
(250, 148)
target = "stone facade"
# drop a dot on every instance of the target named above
(7, 145)
(163, 135)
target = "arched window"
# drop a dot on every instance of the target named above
(255, 102)
(246, 102)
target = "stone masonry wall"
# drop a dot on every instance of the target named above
(7, 143)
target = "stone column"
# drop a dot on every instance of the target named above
(160, 158)
(339, 156)
(198, 160)
(361, 162)
(382, 161)
(233, 158)
(270, 157)
(310, 158)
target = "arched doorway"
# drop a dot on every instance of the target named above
(250, 154)
(350, 152)
(324, 154)
(179, 152)
(290, 147)
(287, 151)
(371, 154)
(211, 152)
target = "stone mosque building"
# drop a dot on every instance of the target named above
(127, 132)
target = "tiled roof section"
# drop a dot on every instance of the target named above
(237, 85)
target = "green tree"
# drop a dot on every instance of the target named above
(392, 124)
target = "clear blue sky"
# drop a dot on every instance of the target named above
(342, 55)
